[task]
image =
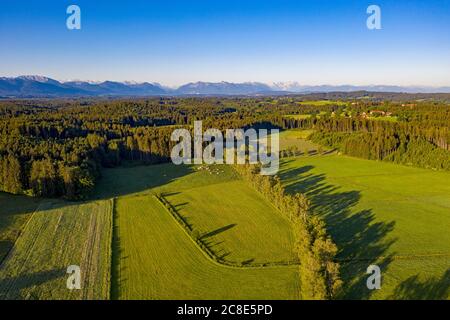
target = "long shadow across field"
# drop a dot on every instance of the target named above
(12, 288)
(125, 181)
(437, 288)
(14, 210)
(5, 248)
(208, 237)
(217, 231)
(361, 240)
(214, 245)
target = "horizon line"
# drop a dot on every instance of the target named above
(270, 84)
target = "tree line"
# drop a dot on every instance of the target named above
(319, 271)
(406, 143)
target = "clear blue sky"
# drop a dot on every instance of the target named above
(173, 42)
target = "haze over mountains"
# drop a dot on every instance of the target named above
(39, 86)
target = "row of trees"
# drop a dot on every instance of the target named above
(319, 272)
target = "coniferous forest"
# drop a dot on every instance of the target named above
(58, 148)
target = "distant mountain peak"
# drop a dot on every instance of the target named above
(82, 81)
(223, 88)
(36, 78)
(41, 86)
(286, 86)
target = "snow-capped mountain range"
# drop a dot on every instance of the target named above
(40, 86)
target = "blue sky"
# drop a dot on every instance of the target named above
(174, 42)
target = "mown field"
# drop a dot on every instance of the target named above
(153, 257)
(380, 213)
(297, 139)
(14, 213)
(321, 103)
(237, 222)
(56, 235)
(158, 260)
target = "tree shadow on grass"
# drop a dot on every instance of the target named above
(122, 181)
(214, 245)
(436, 288)
(207, 238)
(5, 248)
(14, 288)
(361, 239)
(14, 212)
(116, 257)
(217, 231)
(116, 182)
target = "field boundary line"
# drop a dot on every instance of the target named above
(109, 276)
(86, 256)
(399, 257)
(206, 251)
(115, 270)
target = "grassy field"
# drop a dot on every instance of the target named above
(386, 118)
(321, 103)
(235, 220)
(378, 213)
(57, 235)
(382, 213)
(14, 213)
(158, 260)
(298, 116)
(297, 139)
(153, 256)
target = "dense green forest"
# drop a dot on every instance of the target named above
(57, 148)
(420, 139)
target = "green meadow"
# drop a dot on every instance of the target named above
(321, 103)
(158, 260)
(129, 246)
(380, 213)
(14, 214)
(375, 212)
(297, 139)
(236, 222)
(57, 235)
(385, 118)
(298, 116)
